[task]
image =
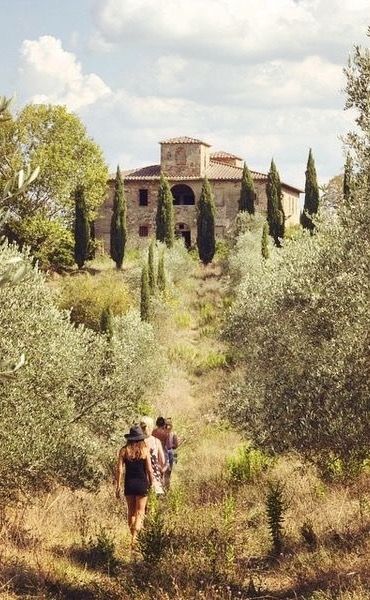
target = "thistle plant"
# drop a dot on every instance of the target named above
(275, 507)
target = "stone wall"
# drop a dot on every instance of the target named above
(189, 160)
(226, 199)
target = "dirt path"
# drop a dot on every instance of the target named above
(196, 373)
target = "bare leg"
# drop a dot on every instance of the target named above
(131, 516)
(141, 502)
(167, 478)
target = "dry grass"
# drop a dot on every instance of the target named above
(217, 542)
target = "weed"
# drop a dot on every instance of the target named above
(207, 313)
(275, 507)
(183, 320)
(308, 535)
(99, 552)
(153, 538)
(247, 464)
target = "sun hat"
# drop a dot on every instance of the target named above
(136, 434)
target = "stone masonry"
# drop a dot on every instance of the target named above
(186, 161)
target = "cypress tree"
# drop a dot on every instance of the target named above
(92, 241)
(165, 220)
(106, 322)
(265, 242)
(275, 212)
(312, 196)
(247, 192)
(81, 228)
(118, 231)
(347, 180)
(206, 224)
(145, 295)
(161, 281)
(151, 270)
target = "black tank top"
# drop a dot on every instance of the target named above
(136, 480)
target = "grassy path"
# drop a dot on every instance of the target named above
(213, 542)
(197, 370)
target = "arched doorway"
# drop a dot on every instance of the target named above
(183, 230)
(183, 195)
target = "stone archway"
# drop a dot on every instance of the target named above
(183, 195)
(183, 230)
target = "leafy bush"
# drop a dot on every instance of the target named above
(77, 389)
(304, 344)
(49, 241)
(247, 463)
(86, 296)
(154, 538)
(178, 261)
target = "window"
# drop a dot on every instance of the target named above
(143, 231)
(182, 195)
(143, 197)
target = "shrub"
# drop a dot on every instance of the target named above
(154, 538)
(275, 508)
(49, 241)
(247, 464)
(87, 296)
(58, 411)
(178, 261)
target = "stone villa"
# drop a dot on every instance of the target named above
(186, 161)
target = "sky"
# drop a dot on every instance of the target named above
(258, 78)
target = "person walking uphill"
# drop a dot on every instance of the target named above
(170, 442)
(157, 457)
(134, 462)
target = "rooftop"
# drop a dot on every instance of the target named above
(184, 140)
(216, 170)
(222, 154)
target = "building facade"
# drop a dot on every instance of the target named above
(185, 162)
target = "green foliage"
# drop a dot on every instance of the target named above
(154, 538)
(206, 241)
(275, 508)
(247, 192)
(304, 346)
(347, 180)
(151, 268)
(265, 242)
(56, 141)
(165, 223)
(118, 231)
(222, 250)
(247, 464)
(312, 195)
(99, 552)
(145, 295)
(275, 212)
(49, 241)
(161, 280)
(106, 322)
(81, 228)
(87, 296)
(58, 411)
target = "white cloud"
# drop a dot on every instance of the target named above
(51, 74)
(235, 30)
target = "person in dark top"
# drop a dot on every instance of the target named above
(170, 442)
(134, 463)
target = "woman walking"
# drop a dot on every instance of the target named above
(134, 462)
(156, 454)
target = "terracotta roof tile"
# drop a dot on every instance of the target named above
(215, 171)
(184, 140)
(222, 154)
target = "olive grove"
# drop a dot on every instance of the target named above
(299, 325)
